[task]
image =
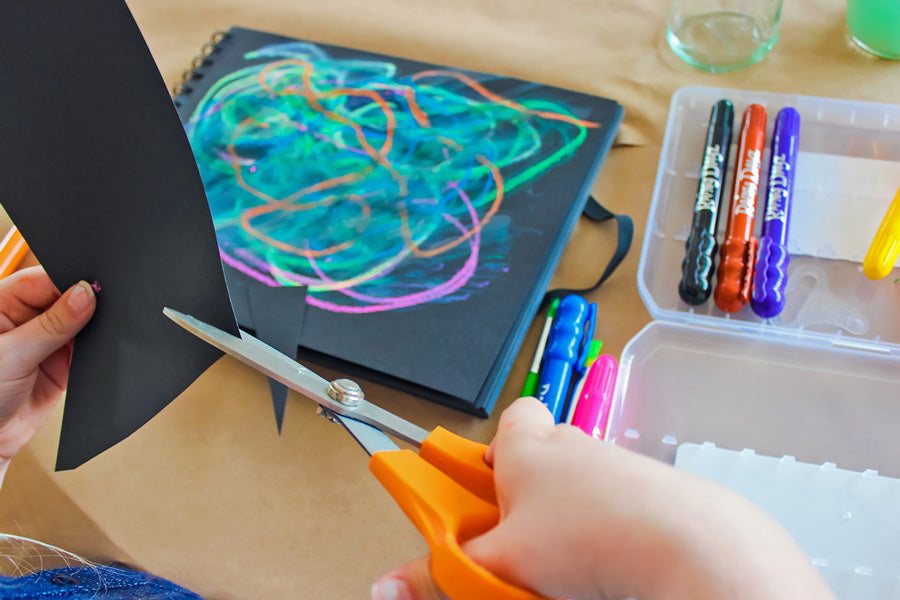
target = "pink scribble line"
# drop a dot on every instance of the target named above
(453, 284)
(323, 281)
(378, 304)
(449, 286)
(247, 270)
(257, 265)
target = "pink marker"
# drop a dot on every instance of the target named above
(592, 413)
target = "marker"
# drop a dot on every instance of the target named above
(592, 415)
(700, 248)
(770, 276)
(12, 250)
(738, 253)
(567, 347)
(531, 381)
(593, 353)
(882, 254)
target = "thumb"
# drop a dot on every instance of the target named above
(412, 581)
(40, 337)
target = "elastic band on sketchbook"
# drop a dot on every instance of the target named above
(598, 213)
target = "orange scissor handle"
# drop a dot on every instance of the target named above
(462, 460)
(447, 511)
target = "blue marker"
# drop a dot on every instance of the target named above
(566, 351)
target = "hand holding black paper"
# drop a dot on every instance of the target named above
(37, 325)
(101, 181)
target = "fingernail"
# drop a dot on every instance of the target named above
(390, 588)
(80, 297)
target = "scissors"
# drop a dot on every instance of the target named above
(446, 490)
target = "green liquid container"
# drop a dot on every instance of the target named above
(875, 26)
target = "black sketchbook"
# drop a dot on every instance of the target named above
(424, 208)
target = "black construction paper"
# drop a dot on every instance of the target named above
(99, 177)
(273, 315)
(277, 135)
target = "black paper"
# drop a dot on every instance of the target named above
(99, 177)
(273, 315)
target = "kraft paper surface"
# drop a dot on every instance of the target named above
(208, 494)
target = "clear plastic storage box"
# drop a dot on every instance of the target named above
(820, 382)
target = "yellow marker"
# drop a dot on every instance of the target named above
(882, 254)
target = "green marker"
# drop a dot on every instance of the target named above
(593, 353)
(531, 382)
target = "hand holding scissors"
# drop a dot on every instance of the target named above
(446, 490)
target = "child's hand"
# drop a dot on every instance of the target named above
(589, 520)
(36, 330)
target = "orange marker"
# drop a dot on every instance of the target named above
(12, 250)
(738, 254)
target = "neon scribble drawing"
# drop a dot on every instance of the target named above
(378, 190)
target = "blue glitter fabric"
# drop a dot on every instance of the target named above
(100, 583)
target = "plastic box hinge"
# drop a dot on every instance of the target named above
(799, 337)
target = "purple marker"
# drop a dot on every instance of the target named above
(770, 278)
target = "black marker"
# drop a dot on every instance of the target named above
(699, 261)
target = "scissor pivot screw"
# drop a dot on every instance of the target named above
(345, 391)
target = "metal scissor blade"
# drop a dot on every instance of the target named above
(284, 369)
(370, 438)
(260, 356)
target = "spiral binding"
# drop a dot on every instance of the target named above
(202, 59)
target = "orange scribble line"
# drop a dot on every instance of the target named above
(312, 95)
(322, 185)
(287, 204)
(504, 101)
(418, 114)
(495, 205)
(291, 249)
(379, 156)
(235, 159)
